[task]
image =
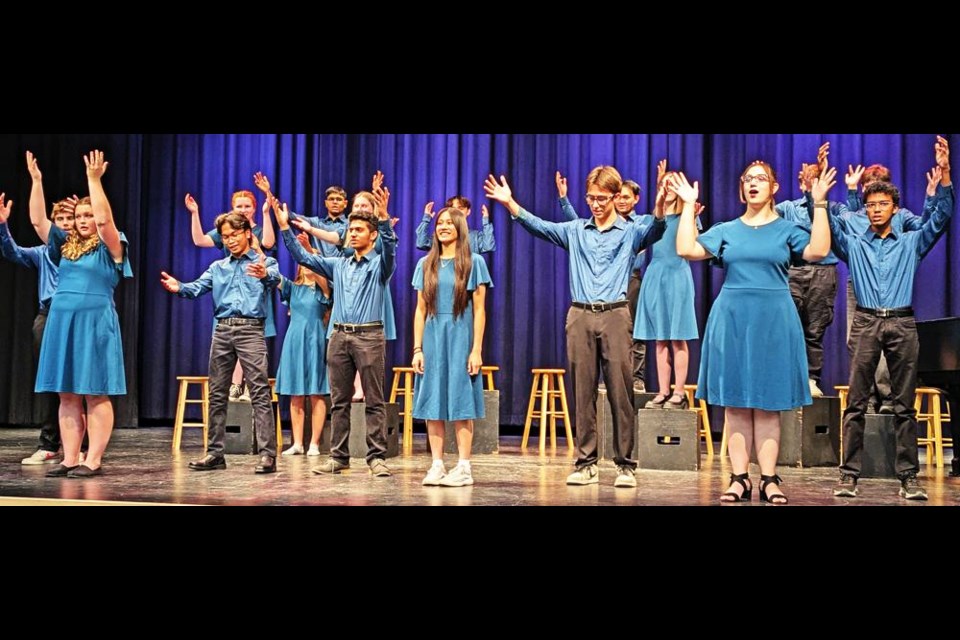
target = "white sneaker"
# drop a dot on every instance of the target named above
(586, 475)
(460, 476)
(42, 457)
(814, 389)
(294, 450)
(625, 477)
(314, 450)
(434, 475)
(245, 396)
(235, 391)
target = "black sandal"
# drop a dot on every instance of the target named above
(653, 404)
(747, 491)
(683, 404)
(776, 498)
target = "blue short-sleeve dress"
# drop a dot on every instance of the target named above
(753, 353)
(665, 309)
(446, 391)
(303, 359)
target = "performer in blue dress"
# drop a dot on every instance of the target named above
(753, 361)
(303, 362)
(245, 203)
(82, 355)
(451, 283)
(665, 310)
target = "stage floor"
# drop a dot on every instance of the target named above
(139, 468)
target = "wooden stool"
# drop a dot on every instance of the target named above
(548, 386)
(934, 417)
(275, 399)
(843, 391)
(487, 372)
(183, 401)
(407, 412)
(701, 408)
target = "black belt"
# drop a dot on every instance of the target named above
(241, 321)
(899, 312)
(597, 307)
(354, 328)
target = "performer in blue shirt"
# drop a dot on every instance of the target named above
(241, 284)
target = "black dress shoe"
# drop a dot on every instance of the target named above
(208, 463)
(60, 471)
(267, 465)
(83, 471)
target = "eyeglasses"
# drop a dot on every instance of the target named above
(600, 200)
(883, 204)
(234, 235)
(760, 177)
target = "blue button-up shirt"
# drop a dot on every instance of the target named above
(235, 293)
(883, 269)
(796, 211)
(480, 241)
(571, 214)
(337, 225)
(359, 282)
(32, 257)
(600, 261)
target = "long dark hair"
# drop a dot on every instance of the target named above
(462, 263)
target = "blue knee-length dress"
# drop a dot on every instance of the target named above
(303, 359)
(753, 354)
(82, 352)
(665, 309)
(446, 391)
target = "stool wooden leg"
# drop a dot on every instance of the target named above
(205, 394)
(489, 376)
(407, 413)
(530, 406)
(394, 387)
(723, 440)
(178, 421)
(937, 431)
(554, 412)
(705, 426)
(566, 413)
(544, 405)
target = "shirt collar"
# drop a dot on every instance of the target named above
(618, 222)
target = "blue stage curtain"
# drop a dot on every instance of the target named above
(165, 336)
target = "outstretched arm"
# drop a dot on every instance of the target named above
(556, 233)
(424, 241)
(263, 183)
(819, 245)
(200, 239)
(38, 207)
(102, 213)
(569, 213)
(487, 244)
(687, 245)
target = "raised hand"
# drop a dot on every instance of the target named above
(96, 166)
(561, 185)
(699, 208)
(685, 191)
(393, 222)
(417, 363)
(169, 282)
(377, 181)
(304, 240)
(942, 152)
(381, 196)
(661, 170)
(69, 204)
(822, 184)
(283, 216)
(933, 179)
(474, 362)
(484, 211)
(853, 176)
(660, 200)
(822, 154)
(267, 204)
(33, 168)
(428, 209)
(191, 205)
(499, 192)
(259, 268)
(262, 182)
(5, 208)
